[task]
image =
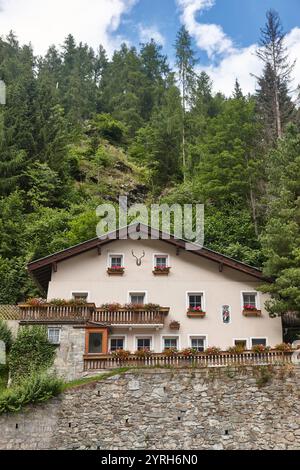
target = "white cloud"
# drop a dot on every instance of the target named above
(209, 37)
(229, 62)
(151, 32)
(45, 22)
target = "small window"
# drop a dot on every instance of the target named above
(161, 261)
(170, 343)
(80, 296)
(198, 343)
(258, 342)
(137, 298)
(116, 344)
(249, 300)
(195, 300)
(144, 344)
(95, 343)
(116, 261)
(241, 343)
(54, 335)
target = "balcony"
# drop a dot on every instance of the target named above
(50, 313)
(125, 317)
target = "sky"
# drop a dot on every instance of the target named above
(224, 32)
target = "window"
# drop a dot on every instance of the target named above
(195, 300)
(54, 335)
(137, 298)
(198, 343)
(115, 261)
(116, 344)
(96, 341)
(161, 261)
(258, 342)
(249, 299)
(241, 342)
(170, 343)
(80, 296)
(144, 343)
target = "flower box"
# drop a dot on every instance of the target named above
(251, 312)
(196, 314)
(115, 271)
(161, 271)
(174, 325)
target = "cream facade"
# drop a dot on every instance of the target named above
(189, 278)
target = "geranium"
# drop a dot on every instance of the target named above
(195, 309)
(212, 350)
(260, 348)
(249, 307)
(117, 268)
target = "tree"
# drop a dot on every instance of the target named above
(185, 61)
(281, 239)
(274, 83)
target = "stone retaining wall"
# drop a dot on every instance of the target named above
(242, 408)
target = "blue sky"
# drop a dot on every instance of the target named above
(240, 19)
(224, 32)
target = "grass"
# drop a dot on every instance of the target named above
(95, 378)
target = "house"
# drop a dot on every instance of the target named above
(147, 294)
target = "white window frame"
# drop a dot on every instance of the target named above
(202, 293)
(241, 339)
(196, 336)
(161, 255)
(59, 334)
(117, 255)
(259, 337)
(124, 337)
(151, 337)
(137, 292)
(170, 337)
(80, 291)
(250, 292)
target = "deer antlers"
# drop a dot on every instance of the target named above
(138, 260)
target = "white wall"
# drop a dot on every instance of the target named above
(87, 273)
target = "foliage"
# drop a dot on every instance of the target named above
(143, 353)
(30, 352)
(238, 349)
(260, 349)
(170, 352)
(121, 354)
(36, 388)
(284, 347)
(6, 335)
(189, 352)
(212, 350)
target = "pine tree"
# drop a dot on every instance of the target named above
(273, 99)
(185, 61)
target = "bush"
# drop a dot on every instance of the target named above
(6, 335)
(31, 352)
(284, 347)
(212, 350)
(35, 389)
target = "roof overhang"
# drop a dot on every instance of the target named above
(41, 269)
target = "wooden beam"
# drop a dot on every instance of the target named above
(99, 250)
(221, 267)
(54, 266)
(177, 251)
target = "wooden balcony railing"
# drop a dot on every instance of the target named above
(93, 363)
(88, 312)
(49, 312)
(131, 317)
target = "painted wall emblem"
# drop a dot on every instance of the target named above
(226, 314)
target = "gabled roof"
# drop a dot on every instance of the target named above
(41, 269)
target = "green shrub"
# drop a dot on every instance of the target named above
(6, 335)
(36, 388)
(30, 352)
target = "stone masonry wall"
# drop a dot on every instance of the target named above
(69, 357)
(242, 408)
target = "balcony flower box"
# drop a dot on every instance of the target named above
(174, 325)
(116, 271)
(161, 270)
(251, 311)
(196, 312)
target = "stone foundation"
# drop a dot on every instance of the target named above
(242, 408)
